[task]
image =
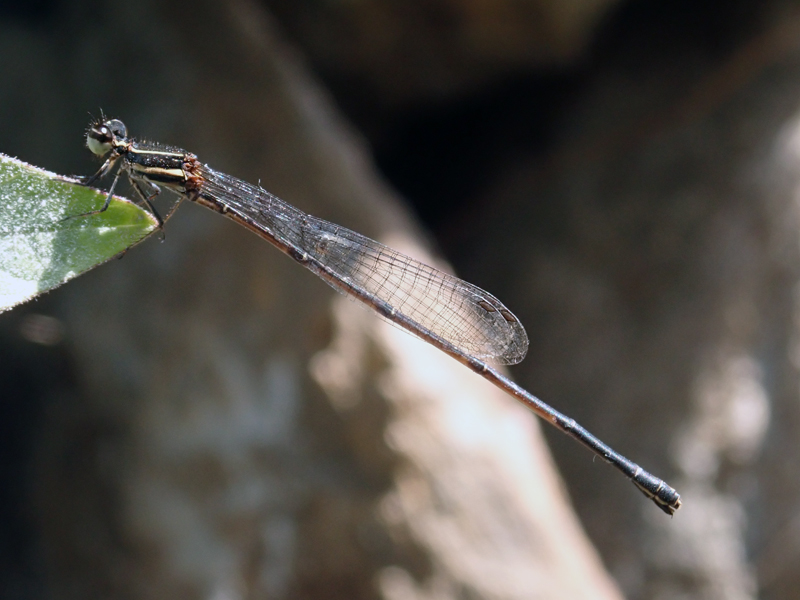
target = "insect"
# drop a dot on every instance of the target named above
(458, 318)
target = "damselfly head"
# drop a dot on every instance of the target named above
(104, 135)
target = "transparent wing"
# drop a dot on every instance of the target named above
(466, 316)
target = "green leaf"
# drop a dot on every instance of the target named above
(39, 247)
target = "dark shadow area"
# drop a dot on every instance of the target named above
(32, 376)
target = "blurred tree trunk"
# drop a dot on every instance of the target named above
(656, 258)
(217, 423)
(229, 427)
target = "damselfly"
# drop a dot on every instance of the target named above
(456, 317)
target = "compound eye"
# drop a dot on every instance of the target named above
(98, 140)
(103, 136)
(117, 128)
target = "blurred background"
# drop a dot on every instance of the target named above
(205, 419)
